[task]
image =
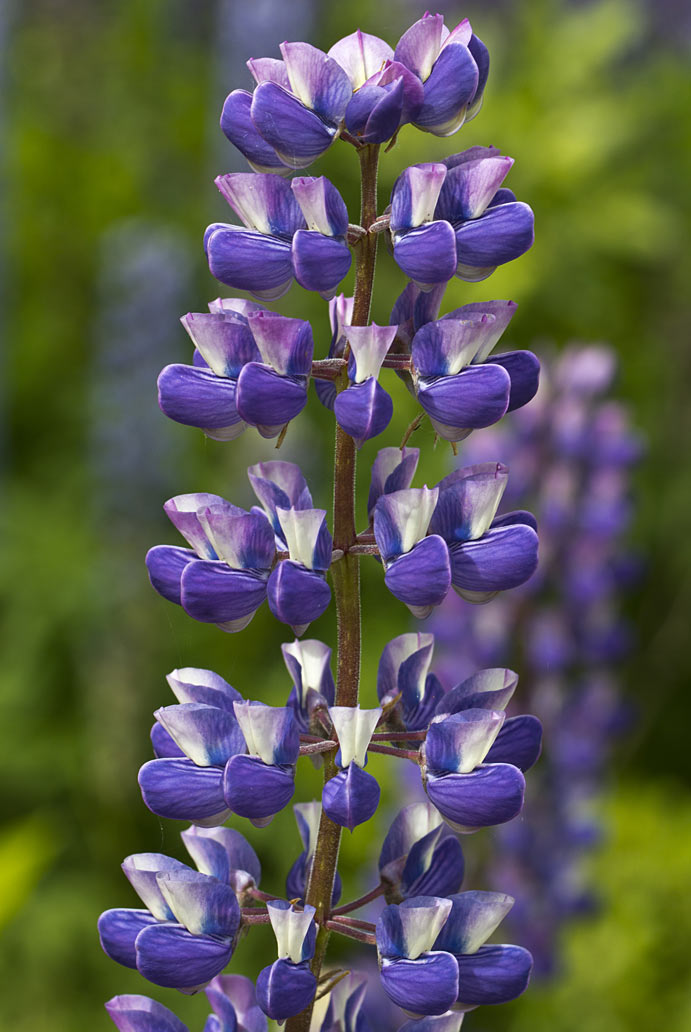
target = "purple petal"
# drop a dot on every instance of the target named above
(401, 519)
(297, 135)
(264, 203)
(237, 992)
(511, 519)
(450, 87)
(414, 196)
(369, 346)
(203, 905)
(223, 853)
(375, 113)
(223, 340)
(297, 595)
(180, 790)
(448, 345)
(255, 789)
(237, 124)
(413, 91)
(132, 1013)
(118, 930)
(183, 513)
(351, 797)
(163, 744)
(307, 536)
(487, 689)
(270, 732)
(360, 55)
(268, 400)
(403, 667)
(481, 57)
(500, 235)
(319, 262)
(442, 876)
(495, 974)
(213, 593)
(449, 1022)
(170, 956)
(492, 794)
(165, 564)
(428, 254)
(279, 485)
(141, 870)
(251, 261)
(364, 410)
(519, 742)
(321, 204)
(491, 330)
(317, 80)
(284, 344)
(191, 684)
(208, 736)
(503, 558)
(421, 577)
(428, 985)
(197, 397)
(468, 500)
(269, 69)
(285, 989)
(244, 542)
(470, 186)
(478, 396)
(419, 46)
(392, 470)
(460, 742)
(524, 369)
(473, 918)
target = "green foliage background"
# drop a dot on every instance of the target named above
(110, 114)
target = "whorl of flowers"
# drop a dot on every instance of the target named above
(218, 754)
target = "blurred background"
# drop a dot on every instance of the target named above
(109, 143)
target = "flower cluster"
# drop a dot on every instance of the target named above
(571, 632)
(221, 757)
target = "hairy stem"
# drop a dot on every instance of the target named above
(346, 579)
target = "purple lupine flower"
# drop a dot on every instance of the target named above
(134, 1013)
(279, 485)
(297, 590)
(392, 470)
(352, 796)
(486, 974)
(307, 817)
(420, 855)
(204, 394)
(261, 783)
(468, 791)
(293, 230)
(234, 1002)
(344, 1011)
(340, 316)
(287, 986)
(365, 409)
(416, 976)
(295, 113)
(453, 218)
(418, 569)
(223, 577)
(404, 670)
(308, 663)
(186, 935)
(225, 854)
(488, 553)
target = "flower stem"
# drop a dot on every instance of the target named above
(391, 750)
(352, 933)
(361, 901)
(346, 580)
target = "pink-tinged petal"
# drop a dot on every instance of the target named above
(183, 513)
(502, 313)
(285, 344)
(213, 593)
(447, 346)
(500, 235)
(392, 470)
(351, 797)
(321, 204)
(428, 254)
(250, 261)
(519, 742)
(492, 794)
(207, 735)
(474, 917)
(255, 789)
(285, 989)
(476, 397)
(495, 974)
(470, 186)
(204, 905)
(462, 33)
(487, 689)
(503, 558)
(170, 956)
(524, 369)
(244, 542)
(364, 410)
(413, 90)
(223, 340)
(181, 791)
(418, 48)
(238, 127)
(428, 985)
(269, 400)
(451, 85)
(421, 577)
(317, 80)
(298, 135)
(269, 69)
(118, 930)
(165, 565)
(279, 485)
(236, 993)
(468, 500)
(297, 595)
(263, 202)
(415, 194)
(130, 1013)
(360, 55)
(319, 262)
(195, 397)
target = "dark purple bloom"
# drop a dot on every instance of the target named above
(234, 1002)
(364, 410)
(292, 230)
(287, 986)
(418, 570)
(404, 670)
(415, 975)
(225, 854)
(297, 588)
(262, 783)
(352, 796)
(452, 219)
(420, 856)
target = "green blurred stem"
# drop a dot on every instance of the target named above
(346, 579)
